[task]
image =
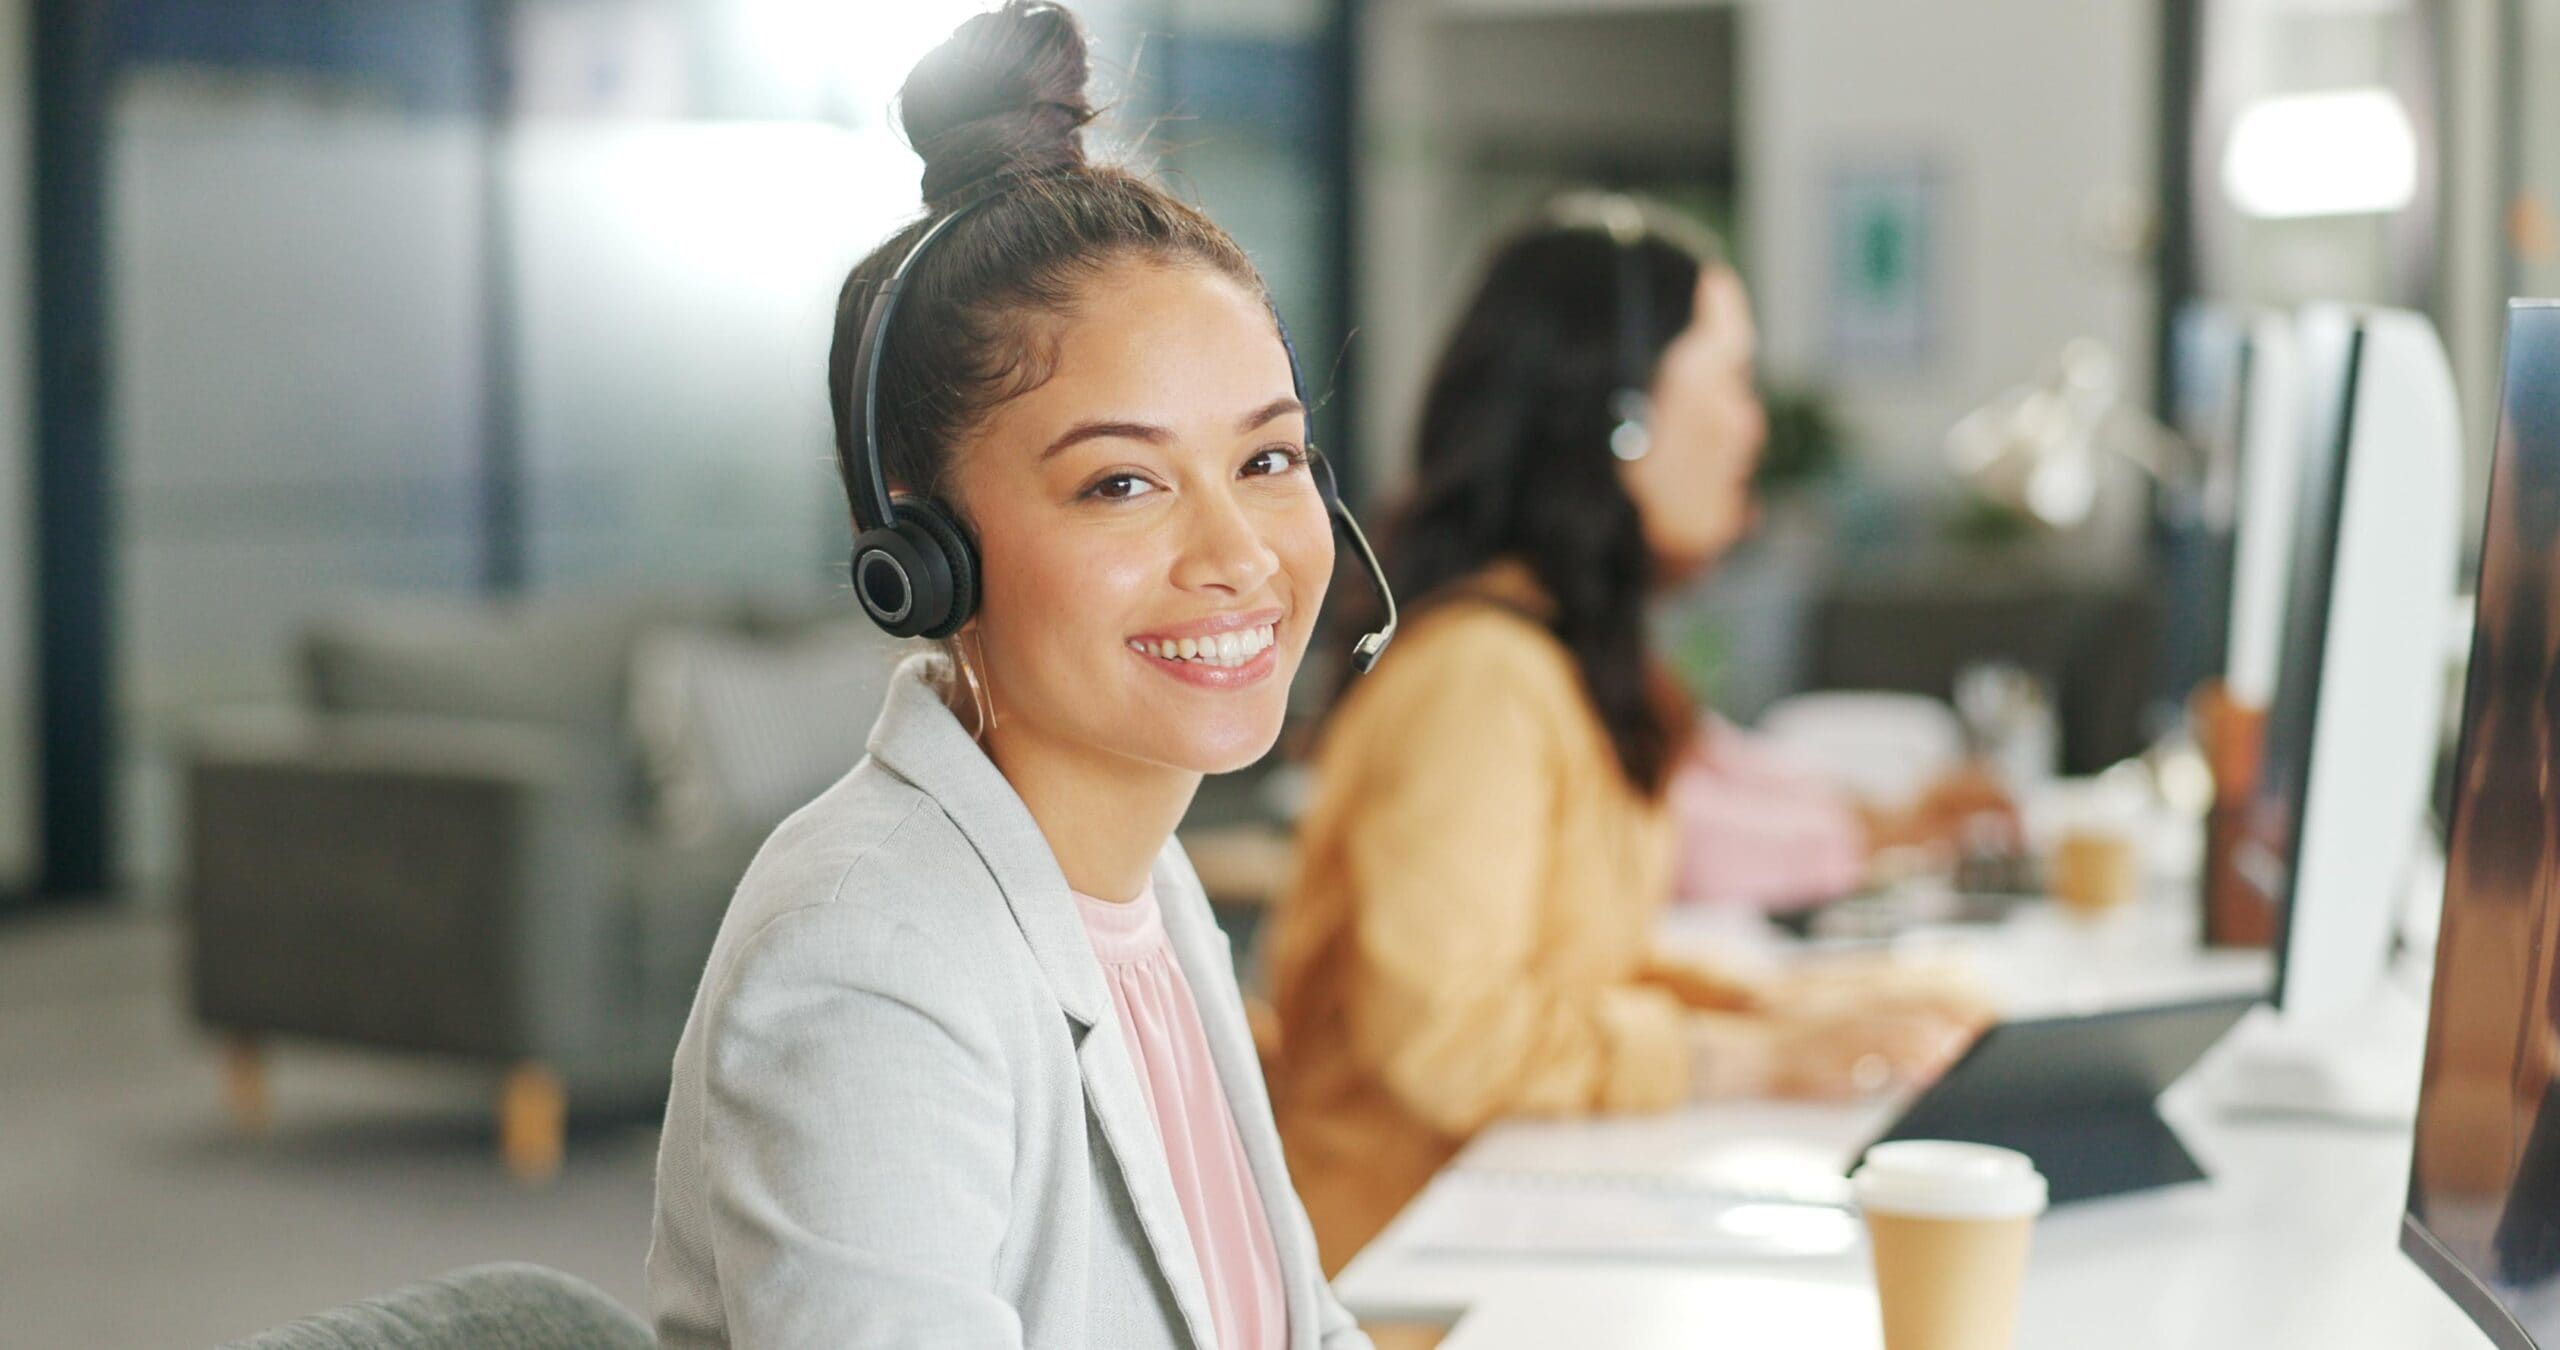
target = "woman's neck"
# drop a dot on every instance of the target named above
(1105, 816)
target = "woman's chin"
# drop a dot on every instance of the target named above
(1242, 755)
(1234, 745)
(1685, 560)
(1210, 732)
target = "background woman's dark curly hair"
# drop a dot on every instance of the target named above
(1513, 459)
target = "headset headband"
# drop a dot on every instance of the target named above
(1635, 316)
(868, 481)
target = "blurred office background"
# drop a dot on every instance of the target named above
(443, 359)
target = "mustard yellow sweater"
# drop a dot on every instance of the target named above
(1467, 935)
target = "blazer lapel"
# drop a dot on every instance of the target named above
(918, 739)
(1137, 1149)
(1208, 963)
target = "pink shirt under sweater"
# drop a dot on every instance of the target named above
(1170, 1051)
(1758, 831)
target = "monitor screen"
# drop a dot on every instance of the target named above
(2484, 1183)
(2196, 519)
(2265, 852)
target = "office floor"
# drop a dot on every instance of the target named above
(133, 1215)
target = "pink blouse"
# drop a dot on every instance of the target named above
(1229, 1231)
(1758, 831)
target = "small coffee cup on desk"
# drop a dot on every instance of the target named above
(1948, 1224)
(2093, 832)
(2096, 870)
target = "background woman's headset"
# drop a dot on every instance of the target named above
(1629, 224)
(1632, 404)
(914, 568)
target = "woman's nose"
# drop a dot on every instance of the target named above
(1223, 547)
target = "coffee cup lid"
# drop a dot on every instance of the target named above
(1933, 1178)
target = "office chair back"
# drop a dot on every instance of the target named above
(496, 1307)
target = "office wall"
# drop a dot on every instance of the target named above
(2036, 117)
(295, 337)
(2038, 120)
(676, 287)
(17, 459)
(1472, 111)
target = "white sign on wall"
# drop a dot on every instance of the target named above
(1883, 278)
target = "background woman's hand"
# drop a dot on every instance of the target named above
(1841, 1055)
(1879, 986)
(1948, 814)
(1822, 1053)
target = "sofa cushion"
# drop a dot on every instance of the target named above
(560, 659)
(738, 731)
(678, 892)
(786, 614)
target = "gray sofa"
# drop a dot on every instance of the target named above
(454, 843)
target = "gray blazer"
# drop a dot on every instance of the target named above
(903, 1112)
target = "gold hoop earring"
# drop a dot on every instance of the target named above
(979, 699)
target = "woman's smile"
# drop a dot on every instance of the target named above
(1226, 651)
(1218, 672)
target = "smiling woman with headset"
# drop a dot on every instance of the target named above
(968, 1065)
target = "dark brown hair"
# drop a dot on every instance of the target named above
(1513, 461)
(997, 113)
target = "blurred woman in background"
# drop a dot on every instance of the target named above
(1468, 935)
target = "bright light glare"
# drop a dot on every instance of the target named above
(851, 50)
(1804, 1230)
(2344, 152)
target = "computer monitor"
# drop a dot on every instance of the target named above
(2339, 808)
(2353, 729)
(2195, 516)
(2236, 406)
(2263, 510)
(2484, 1178)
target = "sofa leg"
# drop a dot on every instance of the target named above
(244, 1082)
(533, 1111)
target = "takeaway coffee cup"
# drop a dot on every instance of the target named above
(2096, 870)
(1948, 1224)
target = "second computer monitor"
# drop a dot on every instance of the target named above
(2263, 509)
(2352, 729)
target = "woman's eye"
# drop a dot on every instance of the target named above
(1120, 487)
(1278, 459)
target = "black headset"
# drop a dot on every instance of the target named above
(1630, 438)
(914, 568)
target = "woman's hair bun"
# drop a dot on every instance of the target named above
(1005, 93)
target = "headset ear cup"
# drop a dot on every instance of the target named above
(894, 582)
(937, 535)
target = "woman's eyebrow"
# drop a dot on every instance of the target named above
(1121, 431)
(1156, 435)
(1276, 408)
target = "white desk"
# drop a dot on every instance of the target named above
(2292, 1244)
